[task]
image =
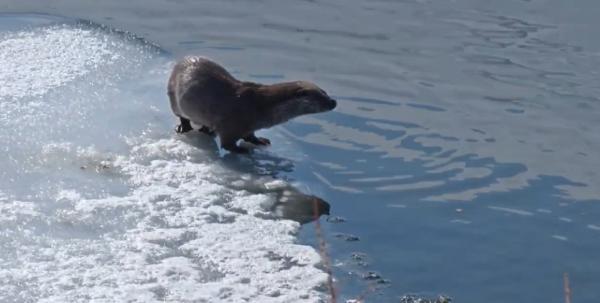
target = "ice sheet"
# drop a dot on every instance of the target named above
(99, 200)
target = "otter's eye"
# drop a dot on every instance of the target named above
(302, 93)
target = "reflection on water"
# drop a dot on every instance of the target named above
(462, 153)
(258, 174)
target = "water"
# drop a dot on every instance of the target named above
(461, 156)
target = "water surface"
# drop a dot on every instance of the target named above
(462, 153)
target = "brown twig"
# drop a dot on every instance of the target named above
(567, 288)
(370, 289)
(323, 252)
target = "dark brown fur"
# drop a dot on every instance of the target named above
(204, 93)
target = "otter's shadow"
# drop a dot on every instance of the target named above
(262, 173)
(289, 202)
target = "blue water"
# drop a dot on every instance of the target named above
(462, 155)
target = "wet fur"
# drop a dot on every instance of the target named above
(203, 92)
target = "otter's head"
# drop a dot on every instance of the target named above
(281, 102)
(309, 98)
(300, 98)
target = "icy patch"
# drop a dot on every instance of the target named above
(12, 211)
(177, 236)
(100, 202)
(34, 61)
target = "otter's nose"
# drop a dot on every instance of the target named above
(332, 104)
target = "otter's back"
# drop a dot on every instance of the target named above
(201, 90)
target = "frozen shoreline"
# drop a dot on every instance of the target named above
(101, 202)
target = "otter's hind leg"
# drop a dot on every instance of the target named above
(184, 127)
(252, 138)
(207, 130)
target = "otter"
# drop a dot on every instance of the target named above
(204, 93)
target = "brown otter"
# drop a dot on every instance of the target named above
(204, 93)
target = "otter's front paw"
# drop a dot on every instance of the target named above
(263, 141)
(257, 140)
